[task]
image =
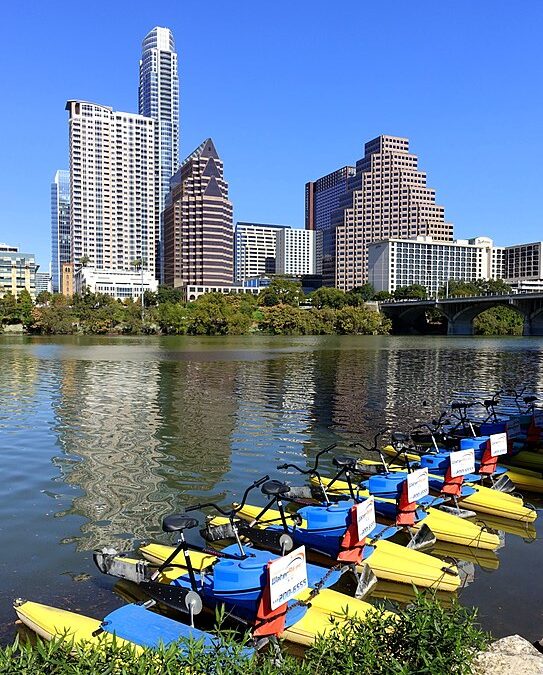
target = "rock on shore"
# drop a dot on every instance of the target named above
(509, 655)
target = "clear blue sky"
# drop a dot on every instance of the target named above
(290, 90)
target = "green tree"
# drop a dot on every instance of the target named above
(460, 287)
(493, 287)
(281, 292)
(414, 291)
(360, 294)
(24, 307)
(53, 320)
(498, 321)
(287, 320)
(9, 312)
(361, 321)
(43, 298)
(382, 295)
(84, 260)
(167, 294)
(328, 297)
(173, 318)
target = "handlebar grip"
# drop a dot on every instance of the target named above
(261, 480)
(282, 466)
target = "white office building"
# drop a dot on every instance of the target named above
(43, 282)
(402, 262)
(112, 187)
(254, 249)
(295, 251)
(120, 285)
(159, 99)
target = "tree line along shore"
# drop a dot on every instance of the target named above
(279, 309)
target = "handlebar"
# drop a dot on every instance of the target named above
(232, 512)
(313, 469)
(293, 466)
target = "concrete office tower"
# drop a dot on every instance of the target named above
(159, 99)
(322, 198)
(112, 187)
(295, 252)
(254, 249)
(60, 226)
(198, 231)
(387, 197)
(402, 262)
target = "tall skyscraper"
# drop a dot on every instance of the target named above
(322, 198)
(159, 99)
(198, 231)
(60, 226)
(112, 187)
(387, 197)
(254, 248)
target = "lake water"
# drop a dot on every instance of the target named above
(102, 437)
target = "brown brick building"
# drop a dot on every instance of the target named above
(198, 229)
(387, 197)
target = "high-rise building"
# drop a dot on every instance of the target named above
(17, 271)
(198, 230)
(295, 252)
(387, 197)
(43, 282)
(393, 263)
(60, 225)
(322, 198)
(254, 249)
(112, 187)
(159, 99)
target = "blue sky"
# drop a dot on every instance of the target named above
(290, 91)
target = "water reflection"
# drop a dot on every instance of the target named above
(143, 435)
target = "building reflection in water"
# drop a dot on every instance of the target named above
(136, 437)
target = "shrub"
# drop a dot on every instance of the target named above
(423, 638)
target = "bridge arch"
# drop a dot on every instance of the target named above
(460, 316)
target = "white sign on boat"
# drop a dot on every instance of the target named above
(498, 444)
(462, 462)
(288, 577)
(417, 485)
(365, 517)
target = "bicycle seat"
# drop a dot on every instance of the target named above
(489, 403)
(399, 437)
(178, 522)
(458, 405)
(274, 488)
(529, 399)
(344, 462)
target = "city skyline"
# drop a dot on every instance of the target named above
(452, 106)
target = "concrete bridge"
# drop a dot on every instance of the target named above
(409, 315)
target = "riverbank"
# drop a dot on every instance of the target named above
(280, 309)
(211, 314)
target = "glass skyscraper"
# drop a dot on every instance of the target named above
(159, 99)
(60, 225)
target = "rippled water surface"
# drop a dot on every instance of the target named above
(100, 438)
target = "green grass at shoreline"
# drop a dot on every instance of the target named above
(422, 638)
